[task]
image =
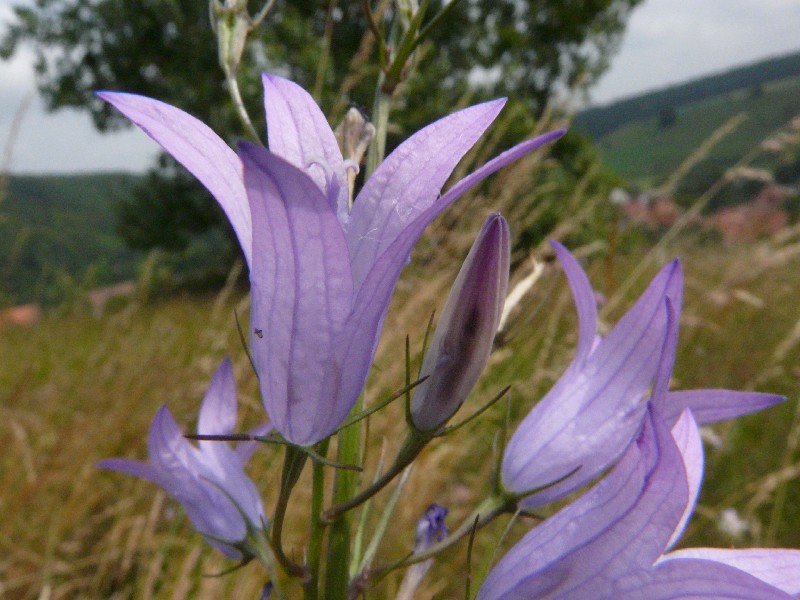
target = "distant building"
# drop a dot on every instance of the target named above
(763, 216)
(654, 213)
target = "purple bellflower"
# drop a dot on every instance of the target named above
(431, 529)
(597, 407)
(209, 481)
(611, 542)
(321, 277)
(464, 334)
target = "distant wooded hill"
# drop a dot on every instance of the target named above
(645, 139)
(602, 120)
(57, 232)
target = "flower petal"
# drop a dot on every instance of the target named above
(373, 296)
(298, 132)
(687, 437)
(777, 567)
(193, 144)
(409, 181)
(182, 467)
(572, 553)
(585, 303)
(301, 295)
(463, 338)
(710, 406)
(218, 409)
(590, 415)
(680, 579)
(136, 468)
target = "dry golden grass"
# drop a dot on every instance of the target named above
(76, 389)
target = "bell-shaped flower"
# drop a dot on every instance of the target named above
(321, 277)
(431, 529)
(465, 332)
(585, 422)
(611, 542)
(209, 481)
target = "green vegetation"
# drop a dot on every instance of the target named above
(599, 121)
(58, 233)
(645, 153)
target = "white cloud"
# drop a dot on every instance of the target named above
(670, 41)
(60, 142)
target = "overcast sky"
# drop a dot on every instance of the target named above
(667, 41)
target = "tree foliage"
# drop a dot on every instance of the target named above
(166, 49)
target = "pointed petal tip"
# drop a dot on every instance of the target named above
(271, 80)
(498, 102)
(495, 222)
(115, 99)
(558, 248)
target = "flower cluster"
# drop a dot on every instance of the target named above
(322, 271)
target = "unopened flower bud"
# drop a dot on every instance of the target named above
(431, 529)
(354, 135)
(464, 334)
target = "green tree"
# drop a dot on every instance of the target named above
(166, 49)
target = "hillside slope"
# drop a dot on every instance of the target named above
(54, 229)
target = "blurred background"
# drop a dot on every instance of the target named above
(119, 275)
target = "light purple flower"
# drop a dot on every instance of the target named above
(465, 332)
(611, 542)
(321, 277)
(431, 529)
(585, 422)
(209, 481)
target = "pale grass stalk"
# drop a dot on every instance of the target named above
(152, 575)
(652, 255)
(788, 343)
(668, 187)
(358, 540)
(761, 491)
(779, 498)
(518, 292)
(357, 69)
(13, 137)
(24, 446)
(787, 234)
(187, 575)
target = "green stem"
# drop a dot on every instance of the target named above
(337, 578)
(238, 103)
(487, 511)
(259, 546)
(413, 445)
(293, 463)
(381, 108)
(317, 529)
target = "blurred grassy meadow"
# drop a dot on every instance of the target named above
(76, 388)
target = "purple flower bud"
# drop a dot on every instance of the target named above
(464, 334)
(431, 528)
